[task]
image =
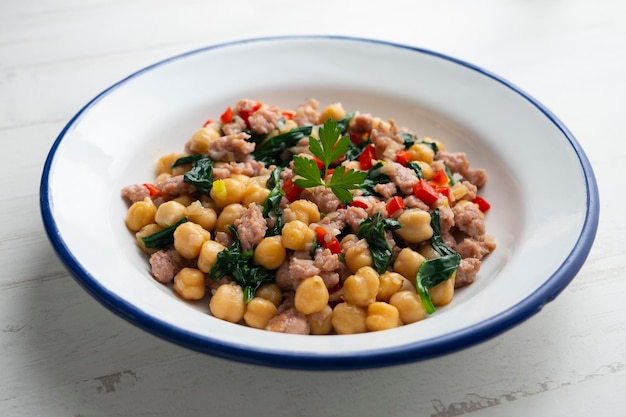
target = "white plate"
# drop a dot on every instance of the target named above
(542, 189)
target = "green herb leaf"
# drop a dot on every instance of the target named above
(416, 168)
(408, 138)
(201, 175)
(341, 181)
(372, 230)
(308, 170)
(330, 145)
(187, 159)
(272, 202)
(240, 266)
(374, 176)
(343, 123)
(163, 237)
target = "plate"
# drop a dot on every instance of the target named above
(542, 188)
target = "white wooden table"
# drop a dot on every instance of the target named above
(63, 354)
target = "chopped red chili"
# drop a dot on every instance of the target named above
(425, 192)
(245, 114)
(440, 178)
(483, 205)
(394, 205)
(154, 192)
(366, 157)
(333, 245)
(208, 122)
(292, 191)
(359, 203)
(403, 157)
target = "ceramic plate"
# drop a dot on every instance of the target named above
(542, 189)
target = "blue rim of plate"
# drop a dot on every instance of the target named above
(426, 349)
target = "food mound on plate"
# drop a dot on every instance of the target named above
(312, 222)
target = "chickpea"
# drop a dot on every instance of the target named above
(200, 140)
(228, 216)
(333, 111)
(162, 177)
(304, 210)
(358, 256)
(427, 251)
(184, 199)
(140, 214)
(169, 213)
(189, 284)
(361, 288)
(188, 239)
(255, 193)
(311, 295)
(270, 253)
(296, 235)
(382, 316)
(258, 313)
(147, 231)
(408, 285)
(409, 306)
(320, 322)
(407, 263)
(390, 283)
(164, 164)
(208, 255)
(270, 292)
(441, 294)
(415, 226)
(227, 303)
(204, 216)
(229, 191)
(349, 319)
(422, 152)
(427, 170)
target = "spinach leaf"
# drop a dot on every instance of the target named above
(187, 159)
(163, 237)
(355, 150)
(343, 123)
(271, 204)
(373, 230)
(408, 138)
(416, 168)
(437, 270)
(432, 145)
(374, 176)
(201, 175)
(270, 152)
(240, 266)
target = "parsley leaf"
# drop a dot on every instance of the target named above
(328, 148)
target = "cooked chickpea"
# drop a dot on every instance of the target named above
(321, 322)
(427, 251)
(258, 313)
(228, 191)
(458, 191)
(415, 226)
(164, 164)
(254, 193)
(200, 140)
(333, 111)
(296, 235)
(390, 283)
(409, 306)
(227, 303)
(382, 316)
(311, 295)
(358, 256)
(427, 170)
(147, 231)
(208, 255)
(270, 253)
(407, 263)
(422, 152)
(228, 216)
(140, 214)
(349, 319)
(441, 294)
(189, 284)
(169, 213)
(408, 285)
(184, 199)
(361, 288)
(304, 210)
(271, 292)
(204, 216)
(188, 239)
(162, 177)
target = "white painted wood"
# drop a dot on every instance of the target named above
(62, 354)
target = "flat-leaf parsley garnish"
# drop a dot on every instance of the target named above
(327, 149)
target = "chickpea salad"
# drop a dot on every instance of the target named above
(312, 220)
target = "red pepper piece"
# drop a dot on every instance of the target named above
(245, 114)
(358, 203)
(154, 192)
(227, 116)
(425, 192)
(320, 164)
(440, 178)
(321, 233)
(403, 157)
(333, 245)
(355, 138)
(208, 122)
(292, 191)
(483, 205)
(288, 115)
(394, 205)
(444, 191)
(365, 159)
